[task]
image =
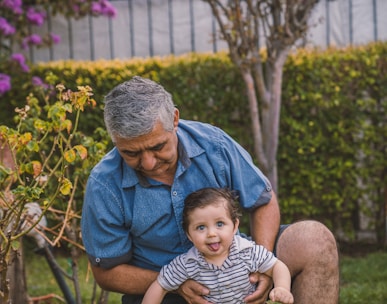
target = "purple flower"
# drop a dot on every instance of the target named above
(35, 17)
(96, 8)
(21, 60)
(5, 83)
(108, 9)
(75, 8)
(55, 38)
(38, 82)
(14, 5)
(104, 8)
(6, 28)
(35, 39)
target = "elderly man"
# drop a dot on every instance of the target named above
(132, 213)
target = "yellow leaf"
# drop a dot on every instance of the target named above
(81, 150)
(25, 138)
(66, 187)
(37, 166)
(70, 156)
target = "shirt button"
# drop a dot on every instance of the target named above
(174, 193)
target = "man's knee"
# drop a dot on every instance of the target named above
(307, 240)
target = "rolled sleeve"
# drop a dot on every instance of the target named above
(104, 232)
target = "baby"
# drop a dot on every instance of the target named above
(220, 259)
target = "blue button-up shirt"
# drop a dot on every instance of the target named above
(128, 218)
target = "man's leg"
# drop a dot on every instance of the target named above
(309, 249)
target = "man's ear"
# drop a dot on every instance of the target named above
(176, 118)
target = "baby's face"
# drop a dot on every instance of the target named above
(211, 230)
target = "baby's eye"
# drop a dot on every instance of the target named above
(219, 224)
(200, 227)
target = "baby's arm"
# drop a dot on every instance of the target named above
(282, 281)
(154, 294)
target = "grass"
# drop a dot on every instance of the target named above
(42, 282)
(363, 279)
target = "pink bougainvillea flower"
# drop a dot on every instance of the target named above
(108, 9)
(104, 8)
(5, 83)
(33, 39)
(14, 5)
(96, 8)
(6, 28)
(38, 82)
(21, 60)
(35, 17)
(55, 38)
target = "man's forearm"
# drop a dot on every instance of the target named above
(265, 222)
(124, 279)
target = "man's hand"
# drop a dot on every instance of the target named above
(193, 292)
(264, 285)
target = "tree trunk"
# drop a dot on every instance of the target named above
(16, 278)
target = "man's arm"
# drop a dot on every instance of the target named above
(265, 222)
(126, 279)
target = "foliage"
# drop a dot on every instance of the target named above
(333, 140)
(246, 26)
(50, 158)
(333, 122)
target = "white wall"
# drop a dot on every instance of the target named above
(173, 30)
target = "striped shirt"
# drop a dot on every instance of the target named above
(228, 283)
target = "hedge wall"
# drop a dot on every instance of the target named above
(331, 158)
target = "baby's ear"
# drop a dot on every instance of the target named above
(236, 225)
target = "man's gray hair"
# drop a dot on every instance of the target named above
(134, 107)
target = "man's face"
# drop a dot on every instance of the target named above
(154, 154)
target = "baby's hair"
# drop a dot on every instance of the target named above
(207, 196)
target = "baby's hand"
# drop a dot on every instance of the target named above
(279, 294)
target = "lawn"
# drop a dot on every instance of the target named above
(363, 279)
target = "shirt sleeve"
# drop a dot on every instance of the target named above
(241, 174)
(104, 234)
(173, 274)
(261, 259)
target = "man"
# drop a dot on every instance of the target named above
(131, 221)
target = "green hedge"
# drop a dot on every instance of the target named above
(331, 157)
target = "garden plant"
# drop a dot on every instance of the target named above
(45, 160)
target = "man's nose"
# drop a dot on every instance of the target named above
(148, 161)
